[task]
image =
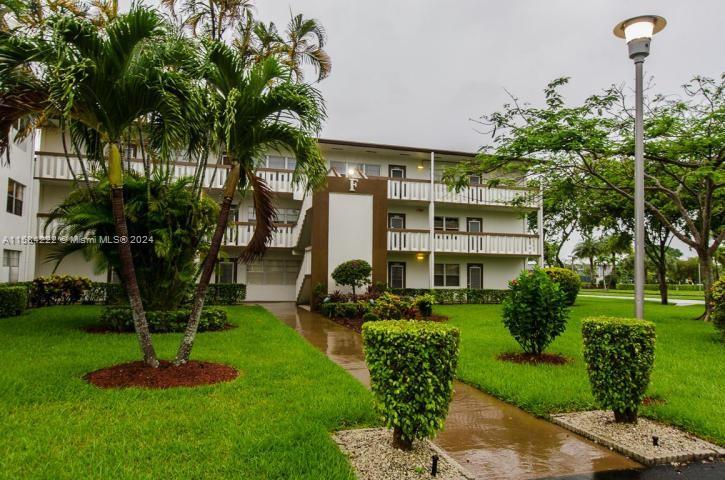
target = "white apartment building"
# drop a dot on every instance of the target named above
(383, 203)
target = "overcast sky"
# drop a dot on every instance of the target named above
(415, 72)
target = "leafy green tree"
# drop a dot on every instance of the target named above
(353, 273)
(255, 107)
(175, 221)
(593, 142)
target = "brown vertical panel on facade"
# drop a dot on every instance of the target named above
(378, 188)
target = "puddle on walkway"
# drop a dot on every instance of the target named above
(490, 438)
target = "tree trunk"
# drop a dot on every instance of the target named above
(626, 416)
(187, 343)
(705, 260)
(399, 442)
(592, 281)
(128, 273)
(662, 271)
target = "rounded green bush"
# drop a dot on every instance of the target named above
(536, 311)
(717, 297)
(619, 353)
(425, 304)
(370, 317)
(13, 300)
(568, 281)
(412, 365)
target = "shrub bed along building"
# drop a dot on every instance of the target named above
(120, 319)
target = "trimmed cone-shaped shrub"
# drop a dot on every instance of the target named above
(568, 281)
(619, 353)
(412, 365)
(535, 312)
(13, 300)
(718, 305)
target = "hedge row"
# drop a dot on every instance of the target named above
(120, 319)
(13, 300)
(458, 295)
(655, 286)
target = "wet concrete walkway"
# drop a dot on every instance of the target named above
(490, 438)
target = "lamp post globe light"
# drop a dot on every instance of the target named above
(638, 32)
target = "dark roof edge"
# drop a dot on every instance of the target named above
(401, 148)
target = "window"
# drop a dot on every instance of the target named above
(446, 224)
(11, 260)
(440, 168)
(129, 150)
(371, 170)
(396, 274)
(226, 271)
(340, 168)
(275, 162)
(16, 192)
(447, 275)
(396, 171)
(474, 225)
(475, 276)
(396, 220)
(475, 179)
(273, 272)
(291, 164)
(284, 215)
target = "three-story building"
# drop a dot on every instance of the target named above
(382, 203)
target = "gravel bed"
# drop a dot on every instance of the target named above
(636, 440)
(373, 456)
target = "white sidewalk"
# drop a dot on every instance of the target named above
(675, 301)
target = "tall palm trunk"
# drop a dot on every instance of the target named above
(230, 186)
(128, 272)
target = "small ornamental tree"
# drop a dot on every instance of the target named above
(536, 311)
(568, 281)
(353, 273)
(412, 365)
(620, 354)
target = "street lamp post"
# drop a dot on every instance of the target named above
(638, 33)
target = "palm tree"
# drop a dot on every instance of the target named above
(301, 44)
(588, 248)
(100, 81)
(255, 108)
(209, 18)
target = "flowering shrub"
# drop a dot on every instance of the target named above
(58, 290)
(393, 307)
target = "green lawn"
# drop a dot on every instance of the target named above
(672, 294)
(689, 371)
(271, 422)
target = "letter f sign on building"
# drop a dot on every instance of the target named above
(353, 184)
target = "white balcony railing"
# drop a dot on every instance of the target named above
(463, 242)
(54, 166)
(473, 195)
(240, 233)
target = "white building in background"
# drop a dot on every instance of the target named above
(383, 203)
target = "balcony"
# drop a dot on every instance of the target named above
(239, 234)
(518, 244)
(54, 166)
(419, 190)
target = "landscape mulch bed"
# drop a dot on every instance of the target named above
(529, 359)
(102, 329)
(356, 323)
(138, 374)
